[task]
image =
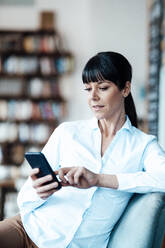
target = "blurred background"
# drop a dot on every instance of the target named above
(44, 46)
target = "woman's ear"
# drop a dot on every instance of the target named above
(127, 89)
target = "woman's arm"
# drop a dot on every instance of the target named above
(81, 177)
(151, 177)
(108, 181)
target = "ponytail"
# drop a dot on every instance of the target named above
(130, 110)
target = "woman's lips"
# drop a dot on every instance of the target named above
(97, 107)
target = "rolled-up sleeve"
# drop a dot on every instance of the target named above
(152, 176)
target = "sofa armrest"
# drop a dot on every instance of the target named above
(142, 224)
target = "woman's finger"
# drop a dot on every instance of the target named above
(33, 173)
(38, 182)
(70, 175)
(64, 172)
(48, 187)
(77, 176)
(61, 174)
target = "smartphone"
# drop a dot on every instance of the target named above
(38, 160)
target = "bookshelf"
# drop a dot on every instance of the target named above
(156, 9)
(31, 103)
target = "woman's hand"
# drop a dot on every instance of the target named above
(79, 177)
(42, 190)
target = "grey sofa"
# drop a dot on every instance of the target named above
(143, 223)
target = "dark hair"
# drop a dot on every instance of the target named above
(113, 67)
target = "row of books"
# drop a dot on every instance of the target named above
(25, 110)
(33, 88)
(33, 133)
(10, 42)
(30, 43)
(32, 65)
(46, 43)
(45, 88)
(11, 87)
(163, 42)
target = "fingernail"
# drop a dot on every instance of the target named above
(49, 177)
(55, 184)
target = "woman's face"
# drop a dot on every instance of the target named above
(105, 99)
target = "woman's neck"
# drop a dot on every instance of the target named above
(109, 127)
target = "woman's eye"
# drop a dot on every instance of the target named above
(87, 89)
(103, 88)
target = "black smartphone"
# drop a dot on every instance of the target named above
(38, 160)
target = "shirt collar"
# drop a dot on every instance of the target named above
(127, 125)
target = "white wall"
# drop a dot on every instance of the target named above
(89, 26)
(122, 27)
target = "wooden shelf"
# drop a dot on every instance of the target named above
(55, 54)
(57, 99)
(27, 32)
(32, 121)
(25, 143)
(29, 75)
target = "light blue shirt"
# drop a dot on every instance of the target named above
(84, 218)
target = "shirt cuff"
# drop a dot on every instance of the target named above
(125, 181)
(139, 182)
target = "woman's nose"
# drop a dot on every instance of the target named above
(94, 95)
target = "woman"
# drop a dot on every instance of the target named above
(101, 162)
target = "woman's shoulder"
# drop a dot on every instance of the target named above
(143, 136)
(136, 134)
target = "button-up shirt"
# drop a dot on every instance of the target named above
(84, 218)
